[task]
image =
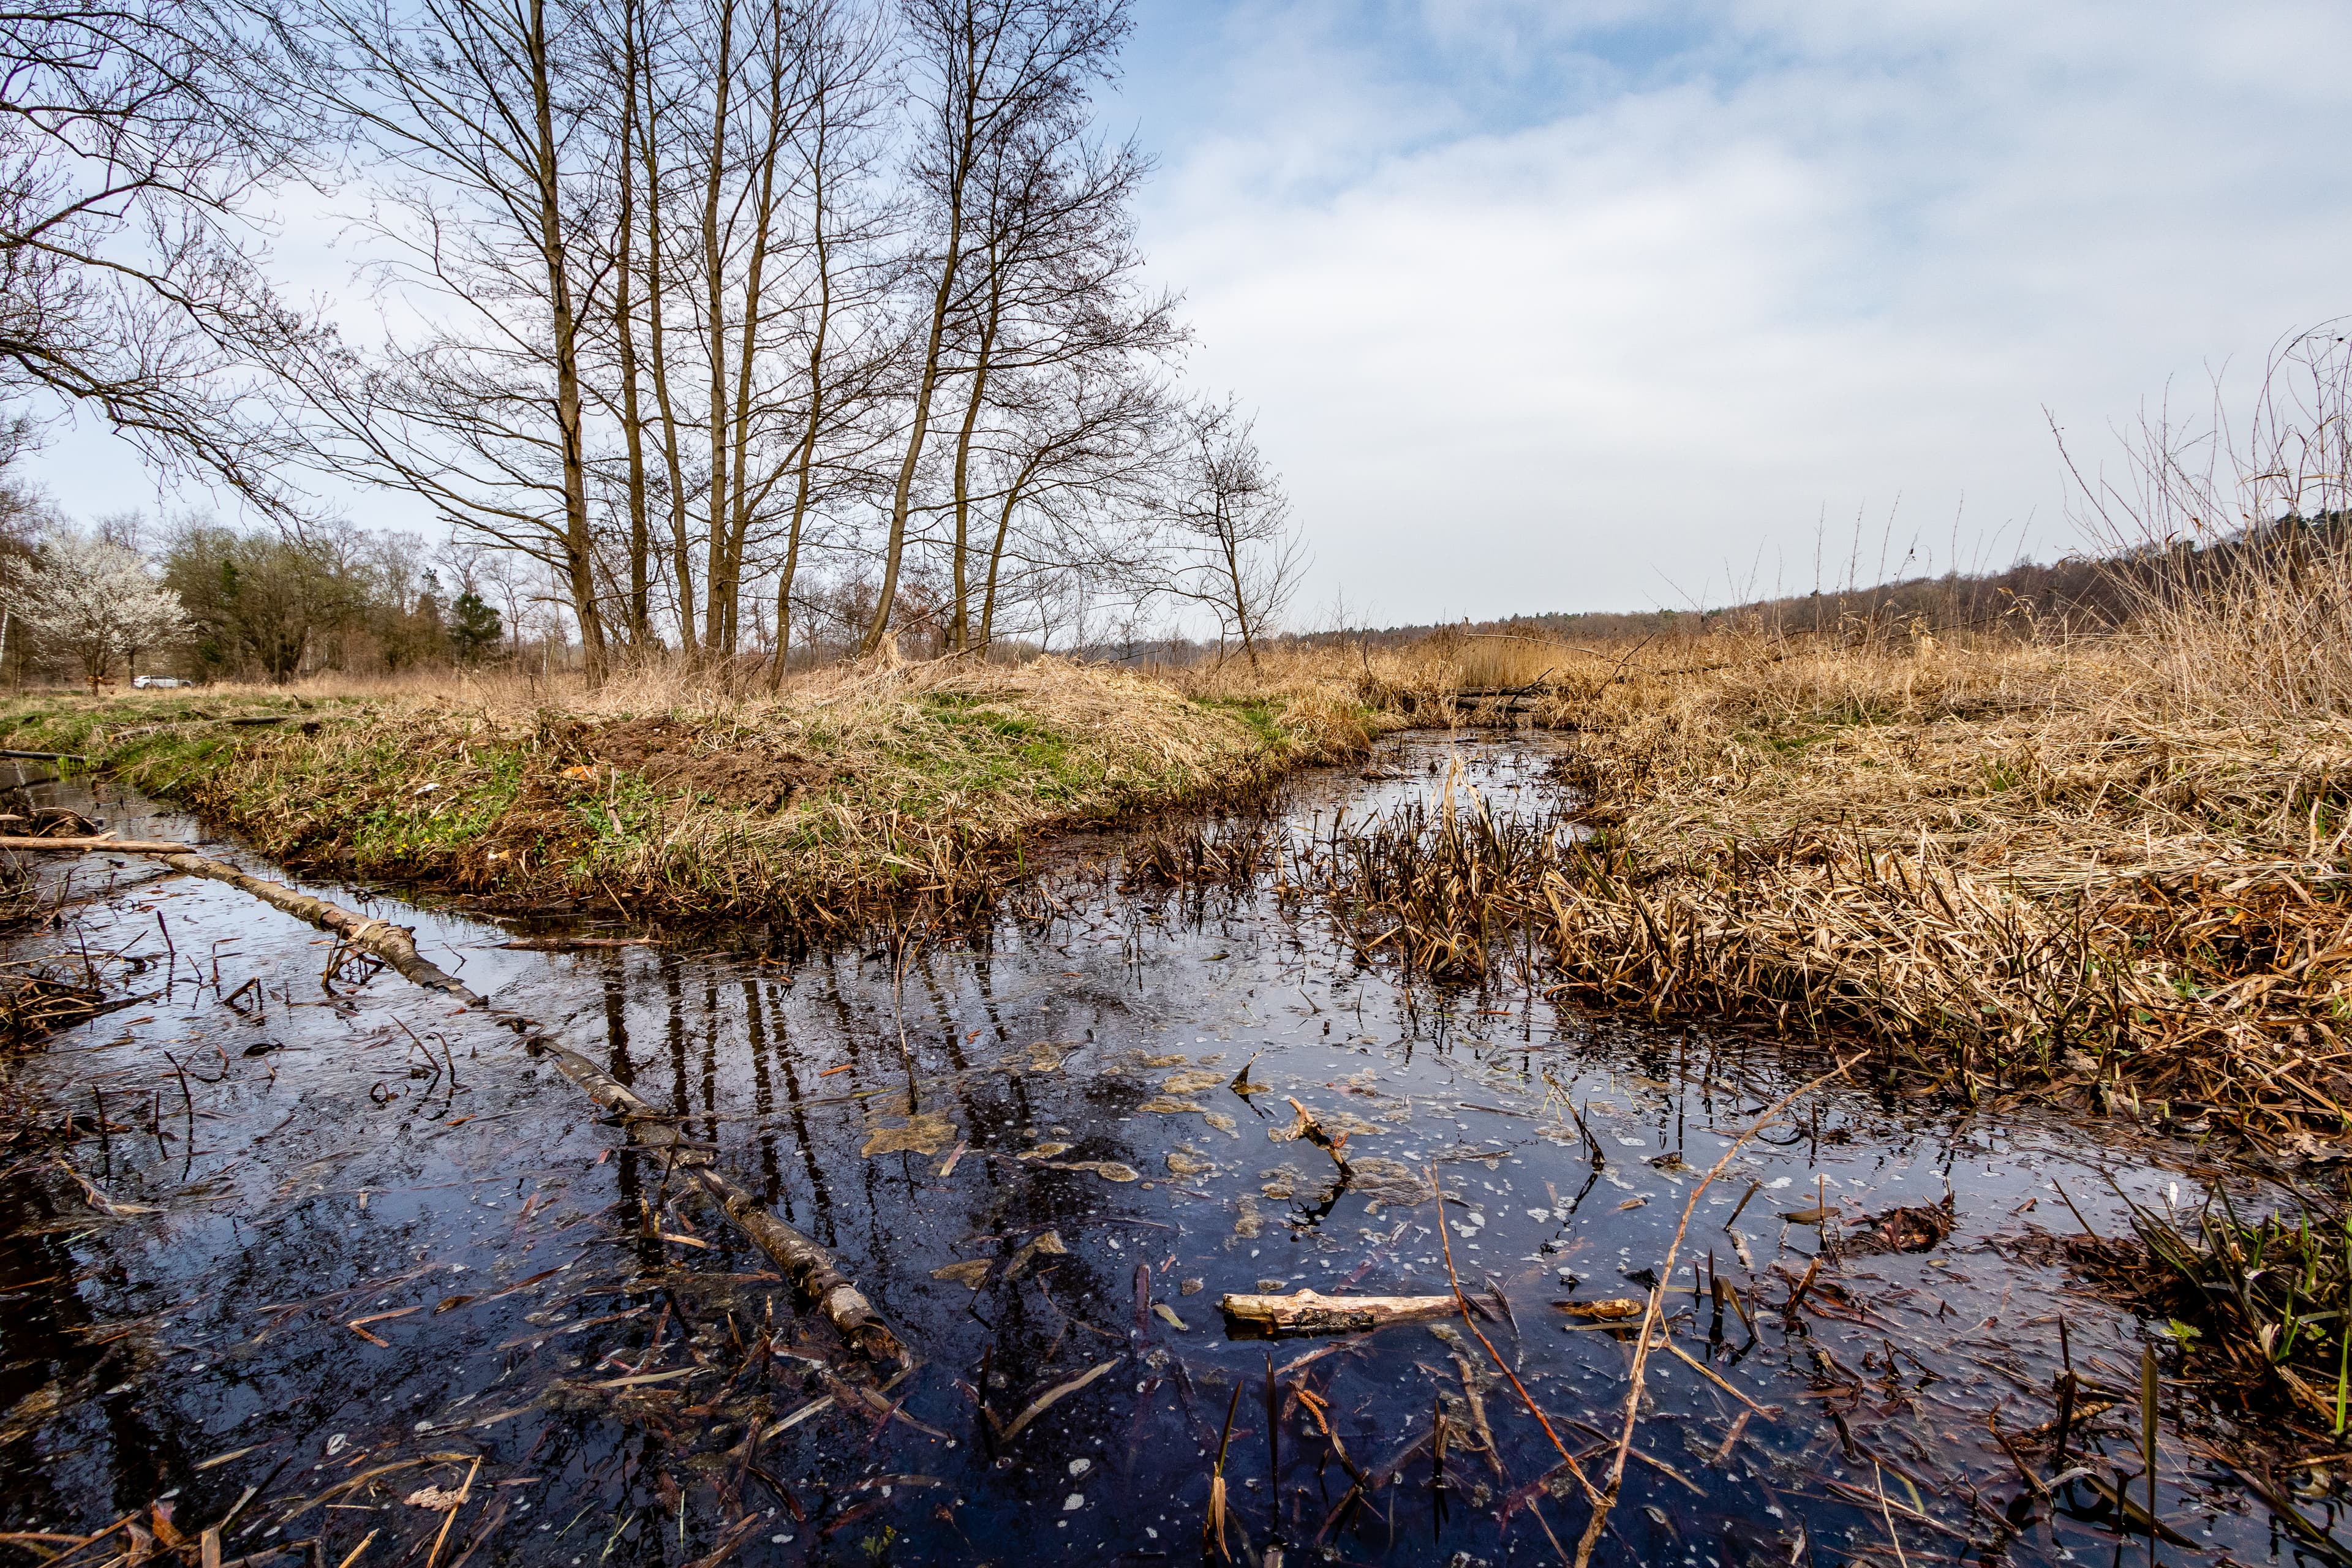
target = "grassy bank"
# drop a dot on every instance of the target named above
(846, 791)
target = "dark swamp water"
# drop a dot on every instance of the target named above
(363, 1246)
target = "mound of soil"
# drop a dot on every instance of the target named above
(672, 754)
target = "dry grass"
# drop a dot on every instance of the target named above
(2009, 861)
(850, 790)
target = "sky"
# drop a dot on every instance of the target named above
(1585, 304)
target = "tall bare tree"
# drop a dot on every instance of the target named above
(490, 166)
(988, 72)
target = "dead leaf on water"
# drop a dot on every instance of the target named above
(1168, 1105)
(1183, 1162)
(925, 1134)
(1220, 1122)
(1108, 1169)
(1247, 1221)
(1386, 1182)
(970, 1273)
(1047, 1245)
(1192, 1287)
(1045, 1056)
(1044, 1152)
(1167, 1314)
(440, 1500)
(1168, 1061)
(1192, 1082)
(1341, 1122)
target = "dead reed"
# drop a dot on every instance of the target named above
(2011, 860)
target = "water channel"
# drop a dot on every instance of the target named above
(362, 1247)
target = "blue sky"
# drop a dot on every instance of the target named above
(1599, 305)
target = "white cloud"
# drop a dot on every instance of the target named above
(1532, 355)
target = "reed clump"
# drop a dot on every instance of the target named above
(2114, 861)
(2259, 1308)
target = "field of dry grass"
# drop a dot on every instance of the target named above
(2117, 863)
(849, 790)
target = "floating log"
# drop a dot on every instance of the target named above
(99, 845)
(1310, 1312)
(808, 1266)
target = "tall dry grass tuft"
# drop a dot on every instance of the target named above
(2233, 541)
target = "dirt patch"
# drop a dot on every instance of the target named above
(672, 754)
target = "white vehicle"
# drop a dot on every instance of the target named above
(153, 682)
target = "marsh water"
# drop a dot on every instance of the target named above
(326, 1250)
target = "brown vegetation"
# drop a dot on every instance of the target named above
(2117, 862)
(849, 790)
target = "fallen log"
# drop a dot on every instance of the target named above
(97, 845)
(1309, 1312)
(44, 756)
(806, 1264)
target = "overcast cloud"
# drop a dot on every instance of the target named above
(1559, 306)
(1550, 305)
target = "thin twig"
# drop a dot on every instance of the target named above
(1599, 1520)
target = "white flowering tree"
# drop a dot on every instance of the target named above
(95, 602)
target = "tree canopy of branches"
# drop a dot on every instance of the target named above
(132, 135)
(716, 317)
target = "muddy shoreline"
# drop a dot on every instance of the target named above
(353, 1228)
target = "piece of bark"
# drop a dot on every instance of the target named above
(1310, 1312)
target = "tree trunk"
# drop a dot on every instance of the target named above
(805, 461)
(624, 327)
(579, 556)
(959, 624)
(715, 328)
(681, 550)
(996, 550)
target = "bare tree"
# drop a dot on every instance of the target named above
(1077, 463)
(989, 72)
(1234, 552)
(476, 118)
